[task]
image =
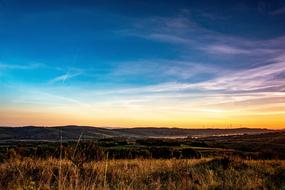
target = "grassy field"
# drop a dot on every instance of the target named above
(205, 173)
(218, 162)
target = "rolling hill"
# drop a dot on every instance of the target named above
(73, 132)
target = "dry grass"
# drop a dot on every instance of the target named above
(32, 174)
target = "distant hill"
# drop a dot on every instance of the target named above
(72, 132)
(180, 132)
(55, 133)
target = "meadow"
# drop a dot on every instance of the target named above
(217, 162)
(205, 173)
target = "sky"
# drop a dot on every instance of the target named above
(118, 63)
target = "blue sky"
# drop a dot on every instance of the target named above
(220, 60)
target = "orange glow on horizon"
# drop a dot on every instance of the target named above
(12, 118)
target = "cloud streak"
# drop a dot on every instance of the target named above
(279, 11)
(4, 66)
(67, 76)
(224, 50)
(188, 34)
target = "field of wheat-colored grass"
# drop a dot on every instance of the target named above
(139, 174)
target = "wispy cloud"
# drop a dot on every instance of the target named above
(225, 50)
(68, 75)
(189, 34)
(167, 38)
(165, 70)
(262, 78)
(4, 66)
(278, 11)
(247, 90)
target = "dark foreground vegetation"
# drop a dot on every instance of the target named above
(254, 146)
(215, 162)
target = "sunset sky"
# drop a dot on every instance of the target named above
(120, 63)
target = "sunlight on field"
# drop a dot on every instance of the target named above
(142, 174)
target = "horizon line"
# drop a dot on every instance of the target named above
(147, 127)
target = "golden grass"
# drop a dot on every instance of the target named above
(140, 174)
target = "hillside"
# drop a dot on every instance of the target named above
(86, 132)
(180, 132)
